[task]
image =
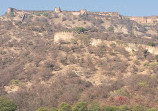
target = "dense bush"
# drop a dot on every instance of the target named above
(111, 108)
(124, 108)
(81, 106)
(138, 108)
(65, 107)
(95, 107)
(152, 109)
(7, 104)
(54, 109)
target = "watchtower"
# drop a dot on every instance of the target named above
(83, 11)
(10, 10)
(57, 10)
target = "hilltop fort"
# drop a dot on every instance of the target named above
(48, 57)
(138, 19)
(58, 10)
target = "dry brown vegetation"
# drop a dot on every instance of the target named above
(48, 74)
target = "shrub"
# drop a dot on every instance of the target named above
(80, 29)
(64, 19)
(94, 107)
(111, 108)
(45, 14)
(15, 82)
(53, 109)
(151, 44)
(124, 108)
(43, 109)
(142, 83)
(85, 39)
(152, 109)
(113, 45)
(146, 53)
(11, 14)
(121, 100)
(65, 107)
(7, 104)
(100, 21)
(138, 108)
(156, 57)
(80, 106)
(37, 13)
(111, 29)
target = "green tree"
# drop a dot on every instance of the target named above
(81, 106)
(138, 108)
(53, 109)
(111, 108)
(94, 107)
(7, 104)
(124, 108)
(65, 107)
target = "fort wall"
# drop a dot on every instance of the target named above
(144, 20)
(115, 14)
(141, 20)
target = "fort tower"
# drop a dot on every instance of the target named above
(10, 10)
(57, 10)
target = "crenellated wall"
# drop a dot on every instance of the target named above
(144, 20)
(141, 20)
(58, 10)
(114, 14)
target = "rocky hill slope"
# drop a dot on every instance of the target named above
(47, 58)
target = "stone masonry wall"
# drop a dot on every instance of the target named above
(145, 20)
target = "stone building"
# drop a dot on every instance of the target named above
(10, 10)
(57, 10)
(83, 12)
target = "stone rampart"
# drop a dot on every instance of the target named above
(144, 20)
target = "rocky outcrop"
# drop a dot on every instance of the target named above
(63, 36)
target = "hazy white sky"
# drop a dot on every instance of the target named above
(125, 7)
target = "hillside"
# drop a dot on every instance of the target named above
(50, 57)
